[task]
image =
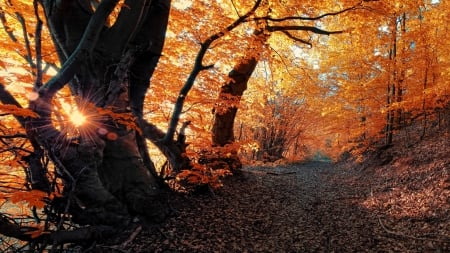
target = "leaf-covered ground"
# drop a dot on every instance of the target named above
(398, 206)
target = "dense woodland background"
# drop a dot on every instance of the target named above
(108, 107)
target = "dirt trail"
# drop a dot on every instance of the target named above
(311, 207)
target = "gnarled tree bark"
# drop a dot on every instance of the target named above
(107, 166)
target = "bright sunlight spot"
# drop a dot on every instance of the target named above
(182, 4)
(77, 118)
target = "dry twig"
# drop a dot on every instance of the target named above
(391, 232)
(132, 236)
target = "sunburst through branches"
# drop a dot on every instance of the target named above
(77, 118)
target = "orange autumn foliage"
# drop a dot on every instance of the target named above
(310, 91)
(33, 198)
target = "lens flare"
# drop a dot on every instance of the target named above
(77, 118)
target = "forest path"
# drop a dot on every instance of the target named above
(312, 207)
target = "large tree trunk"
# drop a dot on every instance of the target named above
(229, 97)
(107, 172)
(227, 105)
(224, 115)
(230, 94)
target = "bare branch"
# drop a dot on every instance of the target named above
(7, 99)
(297, 39)
(171, 150)
(10, 228)
(210, 66)
(84, 48)
(5, 26)
(38, 48)
(282, 61)
(305, 18)
(12, 136)
(301, 28)
(29, 56)
(235, 9)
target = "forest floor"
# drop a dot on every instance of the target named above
(391, 202)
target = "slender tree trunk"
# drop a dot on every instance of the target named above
(390, 116)
(401, 72)
(391, 86)
(396, 82)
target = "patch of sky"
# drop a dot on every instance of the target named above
(383, 51)
(249, 31)
(376, 52)
(377, 66)
(384, 29)
(323, 40)
(332, 90)
(345, 76)
(319, 24)
(299, 101)
(315, 64)
(298, 52)
(301, 53)
(182, 4)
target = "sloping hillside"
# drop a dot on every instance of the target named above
(409, 192)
